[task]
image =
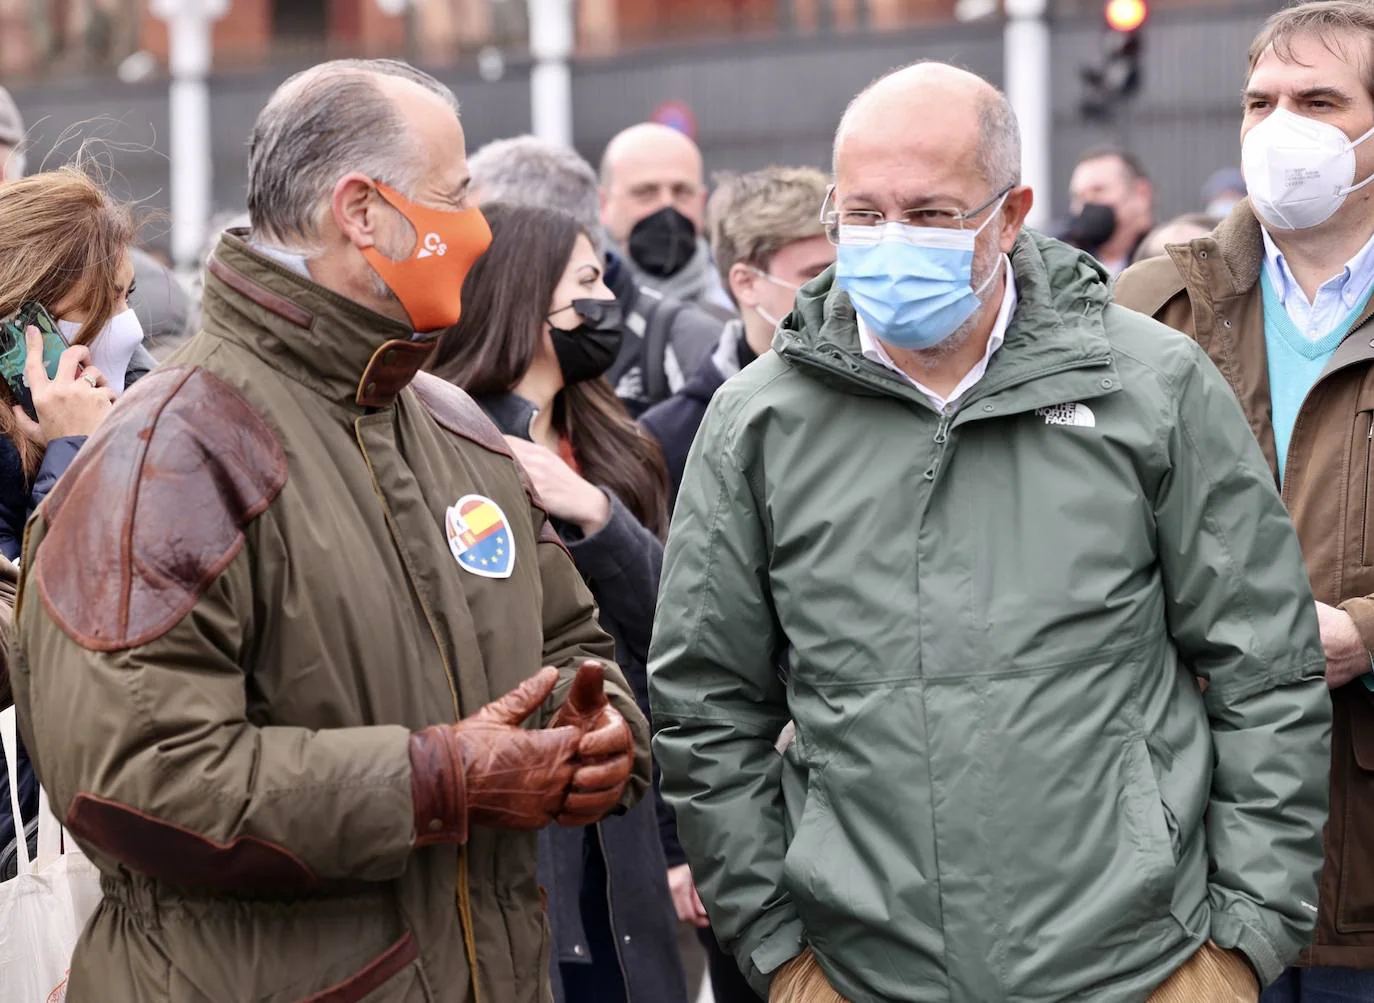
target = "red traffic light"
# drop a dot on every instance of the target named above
(1126, 15)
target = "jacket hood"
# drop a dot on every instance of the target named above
(1061, 295)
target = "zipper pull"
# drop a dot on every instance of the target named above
(942, 430)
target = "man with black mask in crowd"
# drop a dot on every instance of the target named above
(666, 339)
(653, 207)
(1112, 205)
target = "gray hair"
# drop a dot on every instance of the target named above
(526, 170)
(322, 123)
(999, 143)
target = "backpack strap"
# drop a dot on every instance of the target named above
(658, 327)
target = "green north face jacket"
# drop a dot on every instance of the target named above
(1006, 782)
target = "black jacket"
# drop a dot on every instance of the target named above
(621, 565)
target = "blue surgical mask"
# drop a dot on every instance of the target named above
(912, 285)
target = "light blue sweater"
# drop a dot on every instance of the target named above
(1295, 363)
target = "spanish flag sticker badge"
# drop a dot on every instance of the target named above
(480, 537)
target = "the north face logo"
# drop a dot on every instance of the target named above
(1079, 415)
(433, 245)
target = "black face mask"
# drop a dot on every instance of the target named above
(586, 351)
(1092, 227)
(663, 244)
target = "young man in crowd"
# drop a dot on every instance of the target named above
(1002, 529)
(768, 242)
(284, 616)
(1280, 297)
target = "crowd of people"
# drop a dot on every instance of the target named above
(1001, 605)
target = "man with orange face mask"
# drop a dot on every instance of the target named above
(282, 634)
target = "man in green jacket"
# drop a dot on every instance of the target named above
(1060, 723)
(282, 622)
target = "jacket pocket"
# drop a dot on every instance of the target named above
(1355, 894)
(391, 977)
(1151, 827)
(1362, 484)
(804, 855)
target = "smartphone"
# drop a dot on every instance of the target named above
(14, 351)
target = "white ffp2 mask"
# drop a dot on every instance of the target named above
(1298, 171)
(113, 348)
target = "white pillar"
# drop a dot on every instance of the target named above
(551, 45)
(1026, 69)
(188, 29)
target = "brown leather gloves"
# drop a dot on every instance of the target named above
(487, 770)
(606, 751)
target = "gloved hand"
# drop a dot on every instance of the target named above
(605, 752)
(487, 770)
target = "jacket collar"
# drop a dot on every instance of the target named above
(339, 349)
(1222, 268)
(1226, 262)
(1056, 346)
(511, 413)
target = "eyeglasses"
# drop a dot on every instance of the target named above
(866, 225)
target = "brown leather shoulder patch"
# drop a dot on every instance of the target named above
(454, 410)
(172, 853)
(154, 508)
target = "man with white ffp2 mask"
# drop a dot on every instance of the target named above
(1280, 296)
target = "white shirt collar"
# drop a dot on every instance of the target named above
(874, 351)
(290, 260)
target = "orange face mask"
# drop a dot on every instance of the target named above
(429, 283)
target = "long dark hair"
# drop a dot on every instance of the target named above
(505, 301)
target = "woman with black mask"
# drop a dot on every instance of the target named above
(539, 328)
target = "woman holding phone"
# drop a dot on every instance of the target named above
(67, 251)
(539, 328)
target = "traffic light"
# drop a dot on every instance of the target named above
(1117, 76)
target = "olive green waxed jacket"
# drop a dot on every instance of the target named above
(238, 604)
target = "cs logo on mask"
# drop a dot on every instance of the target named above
(433, 245)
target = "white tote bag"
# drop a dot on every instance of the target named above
(43, 910)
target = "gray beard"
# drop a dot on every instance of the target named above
(960, 338)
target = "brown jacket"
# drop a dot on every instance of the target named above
(237, 606)
(1210, 289)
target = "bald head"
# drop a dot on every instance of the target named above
(934, 147)
(377, 117)
(947, 108)
(645, 169)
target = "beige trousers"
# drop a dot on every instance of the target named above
(1210, 976)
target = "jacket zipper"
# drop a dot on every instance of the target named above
(463, 890)
(610, 913)
(941, 440)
